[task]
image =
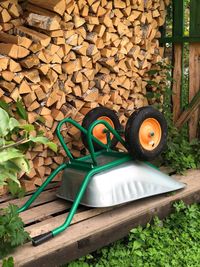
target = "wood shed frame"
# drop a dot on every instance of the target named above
(178, 38)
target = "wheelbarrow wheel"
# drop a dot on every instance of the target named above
(146, 133)
(101, 113)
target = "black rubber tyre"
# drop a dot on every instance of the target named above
(132, 130)
(94, 115)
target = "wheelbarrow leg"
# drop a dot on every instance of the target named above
(42, 187)
(37, 240)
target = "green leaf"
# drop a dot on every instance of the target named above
(4, 106)
(27, 127)
(40, 119)
(2, 141)
(152, 72)
(8, 262)
(3, 180)
(15, 189)
(138, 253)
(153, 83)
(10, 165)
(52, 146)
(10, 153)
(12, 233)
(150, 95)
(22, 163)
(13, 123)
(4, 122)
(8, 174)
(136, 245)
(44, 141)
(21, 110)
(39, 139)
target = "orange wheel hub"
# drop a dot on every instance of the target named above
(99, 130)
(150, 134)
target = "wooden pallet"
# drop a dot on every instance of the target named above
(91, 228)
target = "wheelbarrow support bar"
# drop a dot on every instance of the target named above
(42, 187)
(37, 240)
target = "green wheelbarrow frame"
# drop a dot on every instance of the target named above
(86, 163)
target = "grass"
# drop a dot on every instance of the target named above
(174, 241)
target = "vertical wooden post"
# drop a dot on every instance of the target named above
(177, 84)
(194, 64)
(194, 78)
(178, 31)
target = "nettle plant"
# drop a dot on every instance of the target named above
(15, 139)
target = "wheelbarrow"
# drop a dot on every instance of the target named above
(107, 176)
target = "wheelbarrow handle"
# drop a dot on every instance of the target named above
(37, 240)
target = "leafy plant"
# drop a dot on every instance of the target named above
(14, 138)
(12, 233)
(8, 262)
(180, 154)
(172, 242)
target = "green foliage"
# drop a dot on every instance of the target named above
(21, 110)
(12, 233)
(172, 242)
(8, 262)
(13, 137)
(180, 154)
(16, 190)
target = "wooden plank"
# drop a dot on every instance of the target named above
(89, 235)
(43, 211)
(188, 113)
(178, 31)
(166, 169)
(6, 197)
(54, 222)
(194, 85)
(177, 75)
(45, 197)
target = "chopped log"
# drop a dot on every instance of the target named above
(14, 66)
(3, 62)
(57, 6)
(41, 38)
(24, 88)
(7, 75)
(4, 16)
(30, 62)
(41, 18)
(11, 39)
(14, 51)
(8, 86)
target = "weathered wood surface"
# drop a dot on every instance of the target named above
(48, 193)
(187, 114)
(192, 113)
(194, 81)
(95, 228)
(177, 74)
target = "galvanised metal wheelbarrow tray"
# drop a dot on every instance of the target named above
(107, 177)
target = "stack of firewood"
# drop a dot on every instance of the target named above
(64, 57)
